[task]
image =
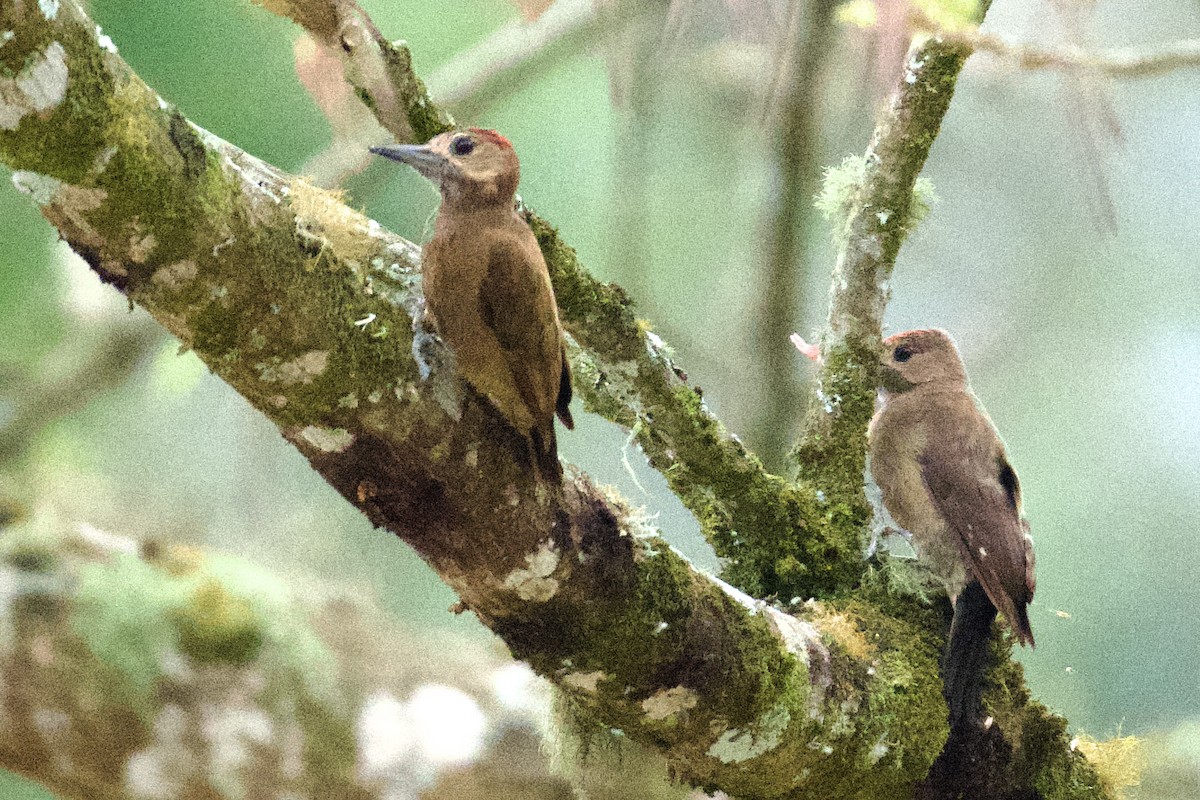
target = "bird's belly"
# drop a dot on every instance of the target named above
(939, 551)
(908, 501)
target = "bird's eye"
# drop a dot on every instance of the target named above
(902, 354)
(462, 146)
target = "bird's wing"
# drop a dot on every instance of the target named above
(563, 404)
(517, 304)
(976, 492)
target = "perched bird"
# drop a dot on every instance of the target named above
(487, 289)
(945, 478)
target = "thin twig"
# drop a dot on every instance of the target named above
(1124, 62)
(486, 73)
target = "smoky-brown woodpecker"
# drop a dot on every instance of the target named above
(487, 289)
(945, 478)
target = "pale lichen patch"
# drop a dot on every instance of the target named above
(666, 703)
(141, 246)
(328, 440)
(745, 600)
(49, 8)
(64, 205)
(799, 636)
(534, 583)
(737, 745)
(583, 681)
(106, 42)
(40, 86)
(40, 188)
(302, 369)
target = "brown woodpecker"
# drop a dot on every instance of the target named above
(487, 289)
(945, 478)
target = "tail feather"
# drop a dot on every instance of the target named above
(562, 405)
(966, 654)
(1021, 626)
(544, 453)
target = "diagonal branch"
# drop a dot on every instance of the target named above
(380, 70)
(775, 538)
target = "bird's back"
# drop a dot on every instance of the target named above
(489, 293)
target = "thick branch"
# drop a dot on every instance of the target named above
(307, 309)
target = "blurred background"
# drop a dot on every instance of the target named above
(678, 148)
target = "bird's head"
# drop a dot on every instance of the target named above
(916, 358)
(470, 167)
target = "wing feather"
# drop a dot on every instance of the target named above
(517, 304)
(976, 492)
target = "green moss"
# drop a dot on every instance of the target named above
(31, 557)
(122, 613)
(216, 626)
(330, 749)
(63, 143)
(11, 512)
(212, 609)
(839, 191)
(602, 310)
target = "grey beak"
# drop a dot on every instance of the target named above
(419, 157)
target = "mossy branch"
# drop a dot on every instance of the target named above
(831, 453)
(380, 70)
(776, 539)
(308, 310)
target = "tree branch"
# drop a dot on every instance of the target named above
(772, 534)
(832, 450)
(380, 70)
(308, 309)
(1123, 62)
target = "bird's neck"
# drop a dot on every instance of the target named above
(928, 389)
(454, 215)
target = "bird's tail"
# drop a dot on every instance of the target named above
(544, 454)
(966, 654)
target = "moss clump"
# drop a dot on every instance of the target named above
(1119, 762)
(31, 557)
(62, 143)
(216, 626)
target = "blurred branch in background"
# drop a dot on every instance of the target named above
(1120, 62)
(510, 58)
(70, 377)
(794, 110)
(353, 127)
(149, 671)
(637, 61)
